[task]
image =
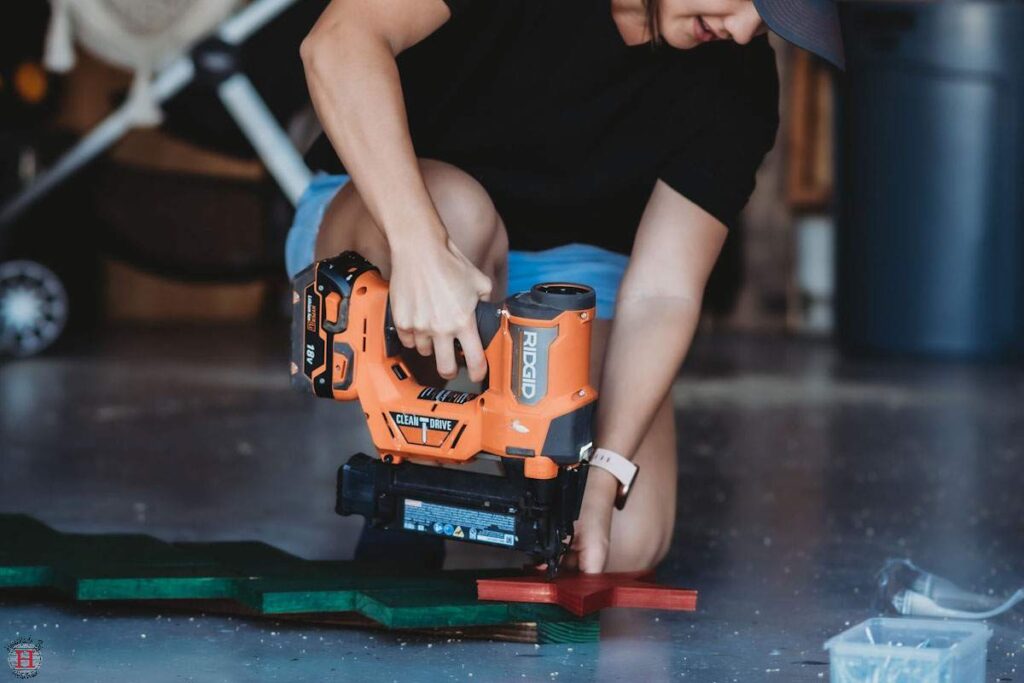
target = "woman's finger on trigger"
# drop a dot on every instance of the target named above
(407, 337)
(424, 344)
(473, 352)
(444, 352)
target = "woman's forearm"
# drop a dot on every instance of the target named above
(356, 91)
(649, 339)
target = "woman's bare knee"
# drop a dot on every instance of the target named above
(347, 224)
(637, 552)
(465, 208)
(467, 212)
(632, 551)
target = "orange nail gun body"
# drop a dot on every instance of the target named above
(535, 412)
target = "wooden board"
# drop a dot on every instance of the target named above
(584, 594)
(809, 153)
(257, 579)
(131, 294)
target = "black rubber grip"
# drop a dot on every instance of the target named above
(488, 322)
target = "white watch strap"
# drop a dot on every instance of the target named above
(621, 468)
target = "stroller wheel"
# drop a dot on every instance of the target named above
(33, 308)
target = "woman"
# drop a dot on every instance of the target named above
(493, 144)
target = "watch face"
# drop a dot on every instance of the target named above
(622, 496)
(624, 490)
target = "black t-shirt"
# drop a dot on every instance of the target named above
(568, 127)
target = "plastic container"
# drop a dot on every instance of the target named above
(882, 650)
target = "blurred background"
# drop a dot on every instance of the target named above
(854, 395)
(126, 171)
(887, 218)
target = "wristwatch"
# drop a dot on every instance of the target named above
(622, 469)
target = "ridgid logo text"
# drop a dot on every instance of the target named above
(528, 378)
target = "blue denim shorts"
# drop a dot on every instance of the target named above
(580, 263)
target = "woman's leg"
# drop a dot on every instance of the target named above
(463, 204)
(641, 532)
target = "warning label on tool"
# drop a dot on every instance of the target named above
(459, 522)
(445, 395)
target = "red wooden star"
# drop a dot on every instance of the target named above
(582, 593)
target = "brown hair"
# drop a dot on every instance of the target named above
(651, 7)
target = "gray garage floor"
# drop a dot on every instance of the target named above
(800, 473)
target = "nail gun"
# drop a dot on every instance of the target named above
(534, 413)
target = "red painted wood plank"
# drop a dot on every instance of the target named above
(584, 594)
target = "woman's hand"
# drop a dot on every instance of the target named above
(434, 290)
(592, 538)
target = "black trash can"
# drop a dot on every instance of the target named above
(930, 177)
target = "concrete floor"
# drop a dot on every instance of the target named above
(800, 473)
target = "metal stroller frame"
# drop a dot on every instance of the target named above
(215, 61)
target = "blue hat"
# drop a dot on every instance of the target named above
(810, 24)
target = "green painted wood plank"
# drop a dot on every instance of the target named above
(264, 580)
(319, 593)
(27, 552)
(456, 605)
(244, 556)
(138, 567)
(154, 588)
(19, 576)
(581, 630)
